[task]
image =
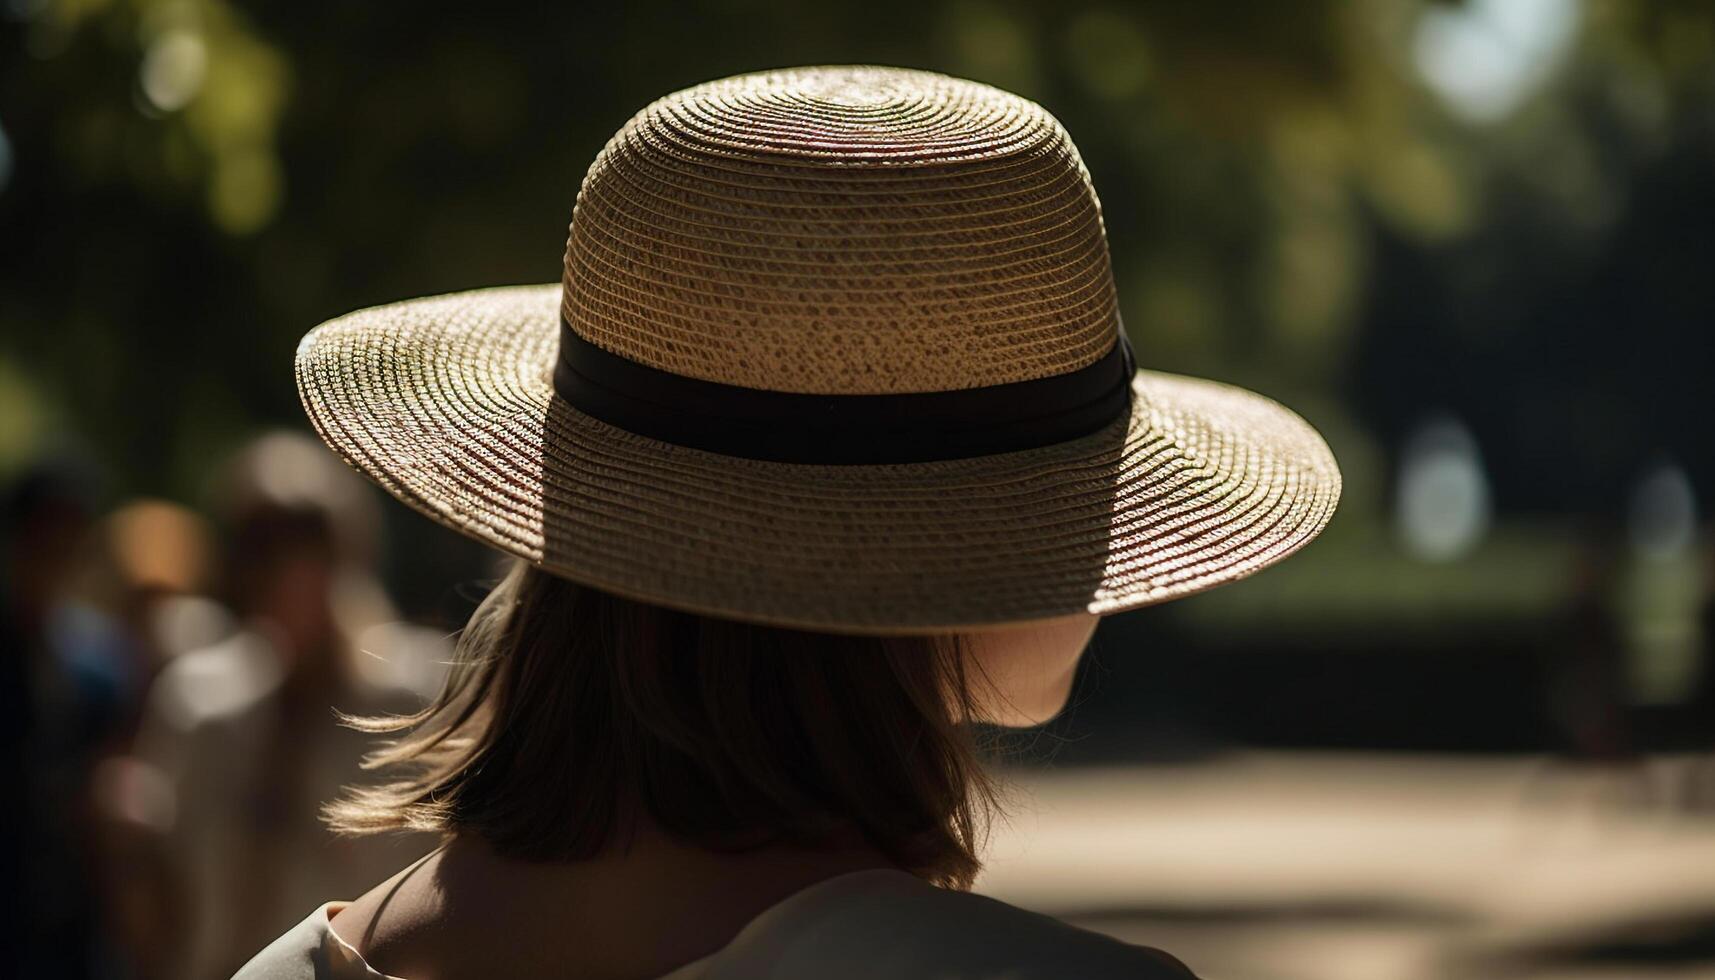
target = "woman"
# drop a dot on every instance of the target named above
(828, 446)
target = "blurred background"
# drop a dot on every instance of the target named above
(1465, 734)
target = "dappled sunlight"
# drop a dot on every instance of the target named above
(1466, 733)
(1288, 866)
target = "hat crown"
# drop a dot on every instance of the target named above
(845, 230)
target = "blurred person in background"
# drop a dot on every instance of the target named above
(243, 733)
(138, 599)
(50, 725)
(92, 610)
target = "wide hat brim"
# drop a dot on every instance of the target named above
(447, 402)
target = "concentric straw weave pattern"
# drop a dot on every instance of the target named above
(842, 230)
(447, 403)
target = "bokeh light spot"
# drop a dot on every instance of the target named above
(1484, 57)
(1443, 499)
(174, 67)
(1661, 516)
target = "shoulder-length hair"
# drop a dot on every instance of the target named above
(570, 713)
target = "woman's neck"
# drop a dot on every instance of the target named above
(637, 912)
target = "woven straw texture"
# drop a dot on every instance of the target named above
(942, 229)
(447, 403)
(835, 230)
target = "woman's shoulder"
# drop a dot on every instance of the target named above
(891, 924)
(308, 951)
(1038, 945)
(859, 925)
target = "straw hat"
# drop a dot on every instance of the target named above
(836, 348)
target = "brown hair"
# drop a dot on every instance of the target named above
(570, 711)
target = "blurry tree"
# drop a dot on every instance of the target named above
(1371, 211)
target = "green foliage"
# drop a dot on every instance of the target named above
(196, 184)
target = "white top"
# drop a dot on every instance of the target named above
(866, 924)
(246, 779)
